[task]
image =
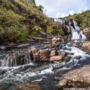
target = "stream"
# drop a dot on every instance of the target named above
(13, 73)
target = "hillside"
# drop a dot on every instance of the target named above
(82, 19)
(21, 19)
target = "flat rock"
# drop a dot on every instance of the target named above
(56, 58)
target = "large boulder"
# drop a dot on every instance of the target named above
(77, 77)
(60, 57)
(44, 55)
(87, 33)
(86, 46)
(39, 55)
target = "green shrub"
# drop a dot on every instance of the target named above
(19, 20)
(21, 36)
(82, 19)
(36, 28)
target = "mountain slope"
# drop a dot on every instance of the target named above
(20, 19)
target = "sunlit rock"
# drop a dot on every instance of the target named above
(56, 58)
(87, 33)
(86, 46)
(76, 77)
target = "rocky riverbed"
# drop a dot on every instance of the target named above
(62, 65)
(55, 63)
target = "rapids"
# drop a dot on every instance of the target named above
(13, 73)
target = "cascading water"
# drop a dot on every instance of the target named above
(17, 68)
(15, 59)
(77, 35)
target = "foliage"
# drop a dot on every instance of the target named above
(83, 19)
(40, 7)
(54, 29)
(20, 19)
(36, 28)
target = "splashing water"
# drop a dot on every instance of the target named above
(28, 72)
(77, 35)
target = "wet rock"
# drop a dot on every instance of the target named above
(44, 55)
(55, 40)
(56, 45)
(28, 87)
(63, 54)
(56, 58)
(87, 33)
(80, 76)
(20, 59)
(35, 55)
(39, 55)
(75, 45)
(78, 57)
(86, 46)
(53, 53)
(2, 71)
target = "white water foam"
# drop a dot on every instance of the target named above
(76, 52)
(38, 80)
(77, 35)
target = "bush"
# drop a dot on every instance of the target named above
(82, 19)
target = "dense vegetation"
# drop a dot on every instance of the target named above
(83, 19)
(20, 19)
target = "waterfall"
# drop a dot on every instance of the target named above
(15, 59)
(16, 66)
(77, 35)
(59, 20)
